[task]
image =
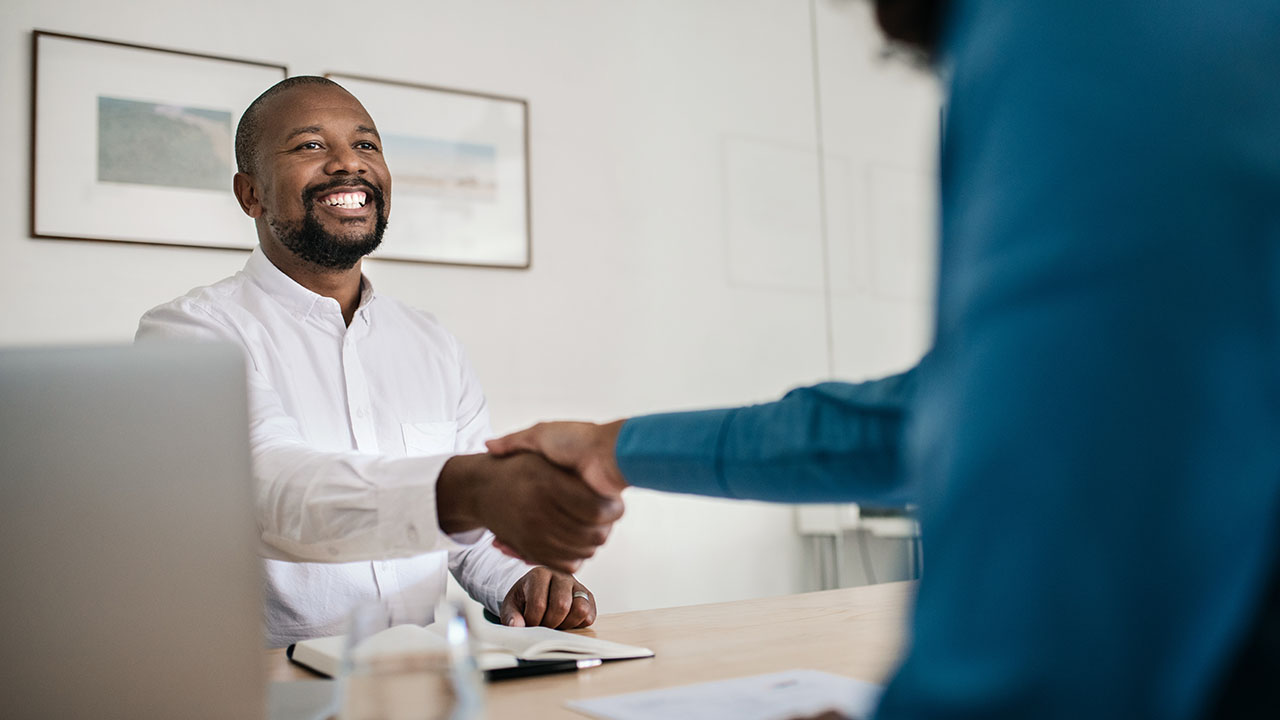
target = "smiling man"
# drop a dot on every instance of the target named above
(360, 406)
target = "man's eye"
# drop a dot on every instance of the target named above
(366, 145)
(310, 145)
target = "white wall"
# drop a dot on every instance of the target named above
(681, 254)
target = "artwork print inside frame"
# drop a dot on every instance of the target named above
(136, 144)
(459, 164)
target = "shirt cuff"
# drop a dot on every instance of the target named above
(518, 569)
(408, 523)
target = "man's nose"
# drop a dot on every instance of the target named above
(344, 161)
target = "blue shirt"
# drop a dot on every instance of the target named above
(1094, 440)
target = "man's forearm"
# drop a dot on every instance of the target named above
(831, 442)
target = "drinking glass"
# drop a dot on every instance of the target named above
(408, 663)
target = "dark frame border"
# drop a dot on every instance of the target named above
(528, 165)
(36, 34)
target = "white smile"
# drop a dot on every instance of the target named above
(346, 199)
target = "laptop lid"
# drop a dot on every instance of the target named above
(131, 582)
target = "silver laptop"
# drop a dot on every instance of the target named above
(131, 586)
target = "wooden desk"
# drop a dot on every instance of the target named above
(856, 632)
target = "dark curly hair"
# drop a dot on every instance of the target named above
(914, 23)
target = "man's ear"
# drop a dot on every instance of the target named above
(247, 194)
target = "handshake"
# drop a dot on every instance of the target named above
(549, 494)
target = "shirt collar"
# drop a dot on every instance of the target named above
(295, 298)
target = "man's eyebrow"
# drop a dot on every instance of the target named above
(362, 129)
(302, 131)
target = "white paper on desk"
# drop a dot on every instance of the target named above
(776, 696)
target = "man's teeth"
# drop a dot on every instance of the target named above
(346, 200)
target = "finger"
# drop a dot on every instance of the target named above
(590, 509)
(566, 554)
(570, 530)
(564, 558)
(603, 483)
(536, 584)
(559, 600)
(557, 551)
(549, 528)
(567, 559)
(584, 609)
(600, 534)
(584, 505)
(574, 545)
(554, 554)
(515, 442)
(512, 605)
(612, 510)
(564, 565)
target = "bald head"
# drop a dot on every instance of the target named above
(249, 132)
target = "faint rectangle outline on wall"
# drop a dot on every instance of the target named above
(129, 142)
(459, 163)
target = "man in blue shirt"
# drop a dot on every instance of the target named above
(1094, 440)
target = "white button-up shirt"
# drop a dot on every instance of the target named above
(349, 428)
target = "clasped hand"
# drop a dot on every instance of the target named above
(549, 494)
(584, 450)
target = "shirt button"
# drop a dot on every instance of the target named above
(362, 413)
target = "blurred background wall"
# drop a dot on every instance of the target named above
(729, 198)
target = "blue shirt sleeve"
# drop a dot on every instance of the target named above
(832, 442)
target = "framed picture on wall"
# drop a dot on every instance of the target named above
(459, 165)
(137, 144)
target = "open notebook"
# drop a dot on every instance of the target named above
(496, 646)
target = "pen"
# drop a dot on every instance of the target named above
(529, 668)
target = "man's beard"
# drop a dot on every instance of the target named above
(311, 242)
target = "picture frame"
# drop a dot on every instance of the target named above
(459, 163)
(132, 143)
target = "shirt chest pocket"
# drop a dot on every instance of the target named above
(429, 438)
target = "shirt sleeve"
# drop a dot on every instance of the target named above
(832, 442)
(312, 505)
(485, 572)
